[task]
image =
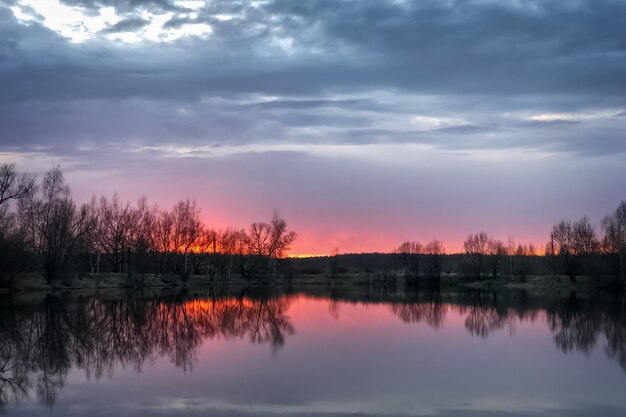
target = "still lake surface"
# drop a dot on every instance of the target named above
(317, 352)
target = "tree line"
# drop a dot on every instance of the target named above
(574, 248)
(43, 230)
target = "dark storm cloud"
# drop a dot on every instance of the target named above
(123, 5)
(176, 23)
(332, 71)
(426, 46)
(127, 25)
(499, 46)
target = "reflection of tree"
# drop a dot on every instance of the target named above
(271, 324)
(334, 307)
(12, 383)
(481, 310)
(485, 314)
(40, 345)
(616, 341)
(577, 324)
(573, 328)
(431, 310)
(483, 321)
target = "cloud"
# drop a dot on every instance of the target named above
(427, 47)
(307, 104)
(551, 123)
(181, 81)
(125, 5)
(127, 25)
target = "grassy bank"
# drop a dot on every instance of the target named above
(36, 282)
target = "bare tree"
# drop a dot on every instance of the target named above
(12, 185)
(585, 238)
(115, 226)
(409, 253)
(142, 238)
(562, 238)
(54, 223)
(269, 240)
(233, 243)
(13, 253)
(187, 231)
(163, 235)
(614, 241)
(496, 252)
(476, 248)
(523, 256)
(573, 242)
(435, 252)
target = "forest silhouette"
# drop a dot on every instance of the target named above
(44, 231)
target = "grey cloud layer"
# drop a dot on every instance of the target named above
(326, 72)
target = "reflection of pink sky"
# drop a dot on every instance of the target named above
(357, 354)
(319, 315)
(316, 311)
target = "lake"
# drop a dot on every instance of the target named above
(317, 351)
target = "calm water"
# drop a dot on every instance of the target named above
(349, 352)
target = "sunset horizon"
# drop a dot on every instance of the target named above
(365, 124)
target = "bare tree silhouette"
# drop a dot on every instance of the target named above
(574, 243)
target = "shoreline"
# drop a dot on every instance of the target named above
(35, 283)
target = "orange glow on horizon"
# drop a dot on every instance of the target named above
(315, 241)
(540, 250)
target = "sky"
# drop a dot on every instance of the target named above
(365, 123)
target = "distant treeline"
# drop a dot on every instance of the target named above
(43, 231)
(573, 249)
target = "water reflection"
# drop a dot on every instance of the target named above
(43, 340)
(577, 323)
